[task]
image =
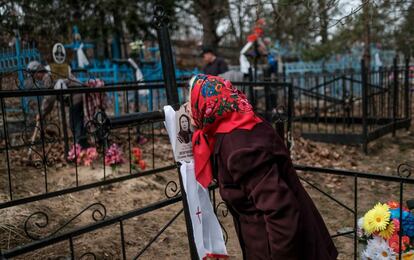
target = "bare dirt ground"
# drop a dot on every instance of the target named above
(385, 154)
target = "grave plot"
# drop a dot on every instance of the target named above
(352, 107)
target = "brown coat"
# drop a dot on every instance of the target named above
(274, 216)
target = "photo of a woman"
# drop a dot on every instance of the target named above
(184, 136)
(59, 53)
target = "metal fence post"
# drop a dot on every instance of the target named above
(394, 97)
(268, 102)
(290, 113)
(64, 124)
(161, 23)
(407, 90)
(167, 61)
(364, 107)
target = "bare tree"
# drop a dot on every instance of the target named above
(209, 13)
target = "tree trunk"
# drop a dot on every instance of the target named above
(367, 33)
(324, 19)
(210, 37)
(209, 14)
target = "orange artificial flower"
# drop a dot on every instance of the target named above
(142, 164)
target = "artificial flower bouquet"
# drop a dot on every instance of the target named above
(114, 157)
(82, 156)
(137, 160)
(380, 228)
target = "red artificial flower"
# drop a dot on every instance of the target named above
(137, 153)
(393, 204)
(142, 164)
(396, 205)
(395, 240)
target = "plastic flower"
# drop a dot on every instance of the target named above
(137, 153)
(113, 156)
(377, 219)
(90, 155)
(407, 221)
(142, 164)
(396, 225)
(378, 249)
(396, 205)
(393, 204)
(394, 242)
(360, 228)
(137, 159)
(388, 232)
(75, 153)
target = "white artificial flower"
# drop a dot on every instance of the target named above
(360, 229)
(378, 249)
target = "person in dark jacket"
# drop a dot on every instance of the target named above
(45, 79)
(213, 65)
(274, 217)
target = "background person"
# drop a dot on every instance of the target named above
(274, 217)
(213, 65)
(43, 79)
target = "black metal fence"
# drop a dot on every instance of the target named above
(34, 182)
(36, 167)
(352, 107)
(30, 180)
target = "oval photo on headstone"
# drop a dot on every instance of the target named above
(59, 53)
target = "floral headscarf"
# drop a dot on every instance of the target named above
(216, 107)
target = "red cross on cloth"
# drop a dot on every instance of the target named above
(198, 213)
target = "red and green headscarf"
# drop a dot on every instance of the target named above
(216, 107)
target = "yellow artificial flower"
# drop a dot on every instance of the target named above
(377, 219)
(387, 233)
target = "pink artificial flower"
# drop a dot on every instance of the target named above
(75, 153)
(87, 162)
(396, 225)
(91, 155)
(113, 156)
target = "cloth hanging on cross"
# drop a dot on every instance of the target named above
(207, 232)
(94, 102)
